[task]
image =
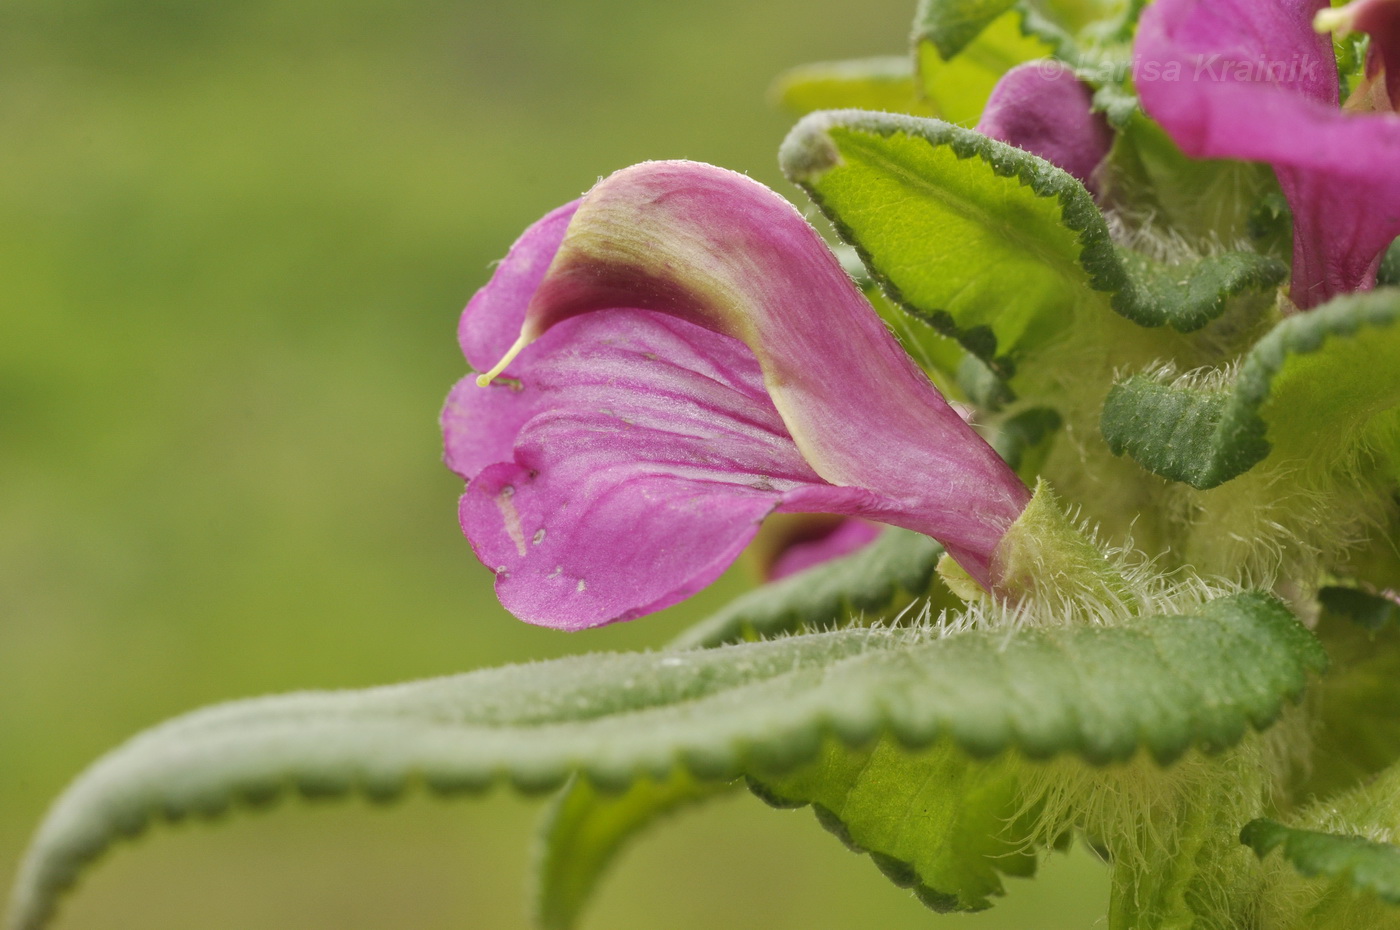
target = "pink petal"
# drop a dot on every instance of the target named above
(1255, 81)
(1041, 107)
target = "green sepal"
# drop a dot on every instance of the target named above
(882, 83)
(990, 244)
(1158, 685)
(1360, 864)
(935, 821)
(584, 829)
(876, 582)
(1319, 389)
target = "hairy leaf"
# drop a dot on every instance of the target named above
(1363, 864)
(988, 243)
(1158, 684)
(876, 582)
(1318, 391)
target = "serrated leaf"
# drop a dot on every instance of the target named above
(1157, 684)
(876, 582)
(1318, 390)
(988, 243)
(885, 83)
(1362, 864)
(584, 829)
(937, 822)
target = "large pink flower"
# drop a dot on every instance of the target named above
(680, 355)
(1253, 80)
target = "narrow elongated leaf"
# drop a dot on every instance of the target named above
(988, 243)
(1320, 389)
(1158, 684)
(876, 582)
(584, 830)
(863, 84)
(1363, 864)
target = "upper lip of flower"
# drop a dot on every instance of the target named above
(1255, 81)
(735, 371)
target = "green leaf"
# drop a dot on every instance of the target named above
(1358, 729)
(885, 83)
(936, 821)
(949, 25)
(1318, 391)
(584, 829)
(876, 582)
(1147, 179)
(1364, 865)
(960, 54)
(988, 243)
(1159, 685)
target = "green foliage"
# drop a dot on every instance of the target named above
(936, 821)
(864, 84)
(876, 582)
(962, 47)
(1362, 864)
(1159, 685)
(1320, 392)
(1358, 731)
(988, 243)
(585, 829)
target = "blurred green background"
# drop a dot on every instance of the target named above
(236, 237)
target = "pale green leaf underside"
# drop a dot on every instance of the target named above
(1157, 684)
(990, 244)
(584, 829)
(1321, 387)
(935, 821)
(1362, 864)
(873, 583)
(864, 84)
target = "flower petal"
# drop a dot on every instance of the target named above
(649, 453)
(721, 251)
(1250, 80)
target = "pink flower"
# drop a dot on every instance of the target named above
(1253, 80)
(681, 355)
